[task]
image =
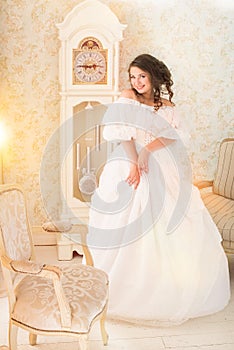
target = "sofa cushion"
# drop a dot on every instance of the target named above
(222, 212)
(224, 178)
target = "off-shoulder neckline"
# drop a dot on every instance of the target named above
(143, 104)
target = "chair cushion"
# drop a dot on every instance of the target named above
(222, 212)
(224, 178)
(85, 287)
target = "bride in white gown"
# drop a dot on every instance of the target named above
(148, 227)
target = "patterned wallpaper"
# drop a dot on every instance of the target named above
(194, 38)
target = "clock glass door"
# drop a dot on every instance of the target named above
(89, 149)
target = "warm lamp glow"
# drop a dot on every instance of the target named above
(2, 143)
(2, 135)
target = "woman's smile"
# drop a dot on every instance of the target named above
(140, 80)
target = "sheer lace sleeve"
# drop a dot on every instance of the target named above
(117, 127)
(118, 132)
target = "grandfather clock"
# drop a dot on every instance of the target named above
(89, 78)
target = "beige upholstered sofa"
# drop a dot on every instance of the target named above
(218, 194)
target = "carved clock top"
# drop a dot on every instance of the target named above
(91, 13)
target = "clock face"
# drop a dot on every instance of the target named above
(89, 67)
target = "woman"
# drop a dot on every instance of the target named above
(148, 228)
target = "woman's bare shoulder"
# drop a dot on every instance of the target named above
(128, 93)
(167, 102)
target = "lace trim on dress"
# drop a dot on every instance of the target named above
(148, 138)
(122, 119)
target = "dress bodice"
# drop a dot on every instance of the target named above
(142, 133)
(169, 113)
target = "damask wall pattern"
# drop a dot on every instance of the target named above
(194, 38)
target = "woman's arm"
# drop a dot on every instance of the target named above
(158, 143)
(130, 149)
(134, 176)
(143, 157)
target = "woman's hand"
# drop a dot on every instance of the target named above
(143, 160)
(134, 176)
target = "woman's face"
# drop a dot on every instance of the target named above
(140, 80)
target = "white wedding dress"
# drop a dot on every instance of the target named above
(158, 244)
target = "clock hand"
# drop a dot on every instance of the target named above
(96, 65)
(82, 65)
(89, 66)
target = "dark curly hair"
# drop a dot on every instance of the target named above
(159, 74)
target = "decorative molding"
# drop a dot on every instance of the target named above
(89, 15)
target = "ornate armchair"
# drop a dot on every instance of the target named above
(218, 194)
(45, 299)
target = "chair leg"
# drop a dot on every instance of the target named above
(87, 253)
(83, 342)
(13, 330)
(32, 339)
(103, 329)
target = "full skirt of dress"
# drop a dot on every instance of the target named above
(157, 276)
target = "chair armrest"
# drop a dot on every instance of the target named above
(25, 266)
(53, 273)
(31, 268)
(203, 183)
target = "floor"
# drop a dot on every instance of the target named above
(215, 332)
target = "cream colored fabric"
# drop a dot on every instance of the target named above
(14, 226)
(224, 179)
(85, 289)
(222, 212)
(26, 266)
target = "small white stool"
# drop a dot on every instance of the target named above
(66, 246)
